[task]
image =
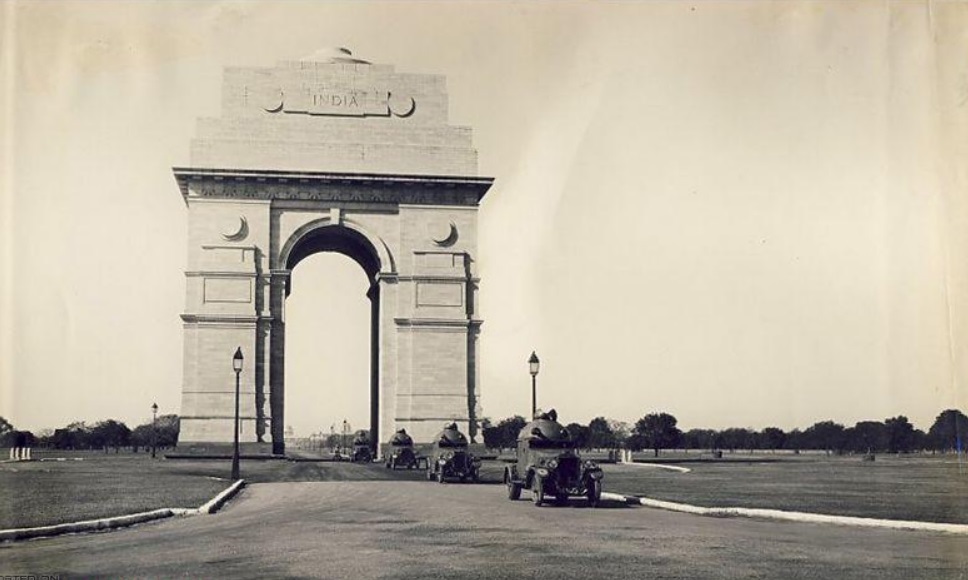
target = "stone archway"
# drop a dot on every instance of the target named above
(337, 156)
(325, 235)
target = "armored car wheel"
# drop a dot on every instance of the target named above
(440, 476)
(514, 490)
(430, 475)
(594, 493)
(537, 492)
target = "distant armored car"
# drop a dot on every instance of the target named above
(549, 465)
(361, 450)
(402, 454)
(450, 457)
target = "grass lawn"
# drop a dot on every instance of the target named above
(99, 485)
(933, 489)
(94, 484)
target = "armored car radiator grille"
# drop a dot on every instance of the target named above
(569, 469)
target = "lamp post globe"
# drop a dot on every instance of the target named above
(533, 365)
(237, 367)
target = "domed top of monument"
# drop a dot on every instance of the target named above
(334, 55)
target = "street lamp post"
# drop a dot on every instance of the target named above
(237, 367)
(154, 428)
(533, 364)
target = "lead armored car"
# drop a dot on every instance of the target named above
(549, 465)
(402, 454)
(451, 459)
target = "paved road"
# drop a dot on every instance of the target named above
(418, 529)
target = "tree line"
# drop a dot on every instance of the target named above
(657, 431)
(108, 434)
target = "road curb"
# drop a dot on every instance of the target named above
(214, 504)
(85, 526)
(801, 517)
(209, 507)
(675, 468)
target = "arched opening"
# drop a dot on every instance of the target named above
(312, 375)
(327, 350)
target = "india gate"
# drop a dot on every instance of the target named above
(330, 155)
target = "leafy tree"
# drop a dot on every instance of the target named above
(735, 438)
(657, 431)
(773, 438)
(76, 435)
(7, 434)
(794, 440)
(110, 433)
(865, 437)
(168, 428)
(919, 440)
(492, 437)
(699, 439)
(5, 427)
(825, 435)
(949, 431)
(579, 433)
(17, 438)
(600, 434)
(900, 434)
(505, 433)
(621, 433)
(165, 429)
(141, 436)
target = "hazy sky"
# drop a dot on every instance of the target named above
(745, 214)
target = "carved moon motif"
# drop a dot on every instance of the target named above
(272, 100)
(237, 234)
(401, 105)
(444, 234)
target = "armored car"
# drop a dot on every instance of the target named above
(549, 465)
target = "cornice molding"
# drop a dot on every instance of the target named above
(246, 184)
